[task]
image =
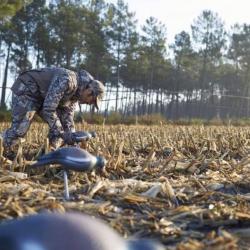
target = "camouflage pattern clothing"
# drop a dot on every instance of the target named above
(52, 93)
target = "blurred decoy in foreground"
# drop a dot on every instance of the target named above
(65, 232)
(71, 158)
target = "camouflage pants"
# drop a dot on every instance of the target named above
(23, 111)
(24, 107)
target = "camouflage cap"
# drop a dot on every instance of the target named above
(85, 78)
(98, 91)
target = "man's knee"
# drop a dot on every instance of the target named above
(19, 128)
(23, 125)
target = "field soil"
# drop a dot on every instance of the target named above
(186, 186)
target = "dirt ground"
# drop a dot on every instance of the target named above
(188, 187)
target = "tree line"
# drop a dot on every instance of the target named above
(204, 73)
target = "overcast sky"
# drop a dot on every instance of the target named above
(178, 15)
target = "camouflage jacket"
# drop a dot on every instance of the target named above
(56, 90)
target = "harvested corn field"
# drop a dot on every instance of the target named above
(188, 187)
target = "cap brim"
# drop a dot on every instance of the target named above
(97, 103)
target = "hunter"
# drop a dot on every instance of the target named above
(52, 93)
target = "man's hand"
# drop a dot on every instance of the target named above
(56, 142)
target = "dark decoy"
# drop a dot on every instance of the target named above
(80, 136)
(53, 231)
(71, 158)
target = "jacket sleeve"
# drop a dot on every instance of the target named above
(56, 91)
(66, 115)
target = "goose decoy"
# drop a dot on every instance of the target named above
(80, 136)
(71, 158)
(53, 231)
